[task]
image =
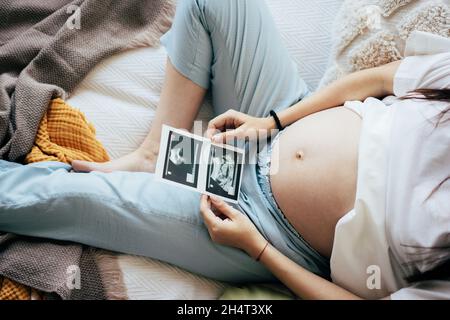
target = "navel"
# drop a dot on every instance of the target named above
(299, 155)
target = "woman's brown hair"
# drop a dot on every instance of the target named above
(429, 94)
(441, 270)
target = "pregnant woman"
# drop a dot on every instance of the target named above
(362, 188)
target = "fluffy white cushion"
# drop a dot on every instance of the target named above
(369, 33)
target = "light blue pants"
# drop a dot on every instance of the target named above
(231, 46)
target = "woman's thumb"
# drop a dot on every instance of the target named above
(223, 207)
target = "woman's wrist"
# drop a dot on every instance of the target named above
(258, 258)
(256, 247)
(270, 123)
(298, 111)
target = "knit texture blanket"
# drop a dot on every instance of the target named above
(46, 49)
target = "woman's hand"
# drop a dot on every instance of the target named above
(228, 226)
(242, 126)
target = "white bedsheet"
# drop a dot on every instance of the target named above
(121, 94)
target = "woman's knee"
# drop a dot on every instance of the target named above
(191, 8)
(207, 12)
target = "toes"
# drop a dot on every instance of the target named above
(84, 166)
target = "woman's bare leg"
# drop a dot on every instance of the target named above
(179, 104)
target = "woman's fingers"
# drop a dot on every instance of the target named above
(213, 223)
(216, 124)
(228, 120)
(212, 207)
(235, 230)
(208, 215)
(228, 136)
(223, 207)
(242, 127)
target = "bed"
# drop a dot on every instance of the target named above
(121, 94)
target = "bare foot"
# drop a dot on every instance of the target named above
(137, 161)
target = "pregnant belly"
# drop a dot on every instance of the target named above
(314, 172)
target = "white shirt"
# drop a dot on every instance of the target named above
(402, 202)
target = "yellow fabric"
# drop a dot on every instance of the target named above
(65, 135)
(11, 290)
